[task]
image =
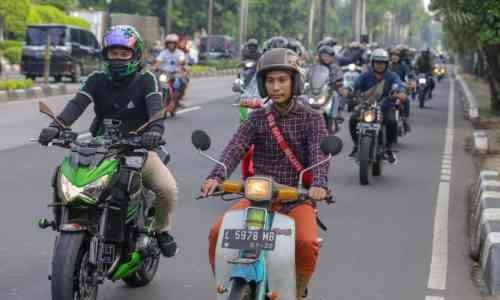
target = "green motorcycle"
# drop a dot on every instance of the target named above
(103, 215)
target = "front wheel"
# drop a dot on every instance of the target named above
(71, 272)
(365, 163)
(241, 290)
(421, 98)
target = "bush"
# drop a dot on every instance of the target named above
(15, 84)
(196, 69)
(9, 44)
(13, 54)
(222, 64)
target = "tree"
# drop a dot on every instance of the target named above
(64, 5)
(13, 15)
(474, 26)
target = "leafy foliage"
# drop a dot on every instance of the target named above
(42, 14)
(13, 15)
(6, 85)
(13, 54)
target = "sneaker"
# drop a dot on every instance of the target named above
(391, 157)
(354, 152)
(167, 244)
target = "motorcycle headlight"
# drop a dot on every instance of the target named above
(258, 189)
(352, 67)
(422, 81)
(369, 116)
(249, 64)
(163, 78)
(70, 192)
(317, 100)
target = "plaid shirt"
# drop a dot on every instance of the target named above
(303, 130)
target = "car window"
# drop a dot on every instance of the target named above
(86, 39)
(75, 36)
(36, 36)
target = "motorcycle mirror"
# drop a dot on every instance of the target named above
(157, 116)
(331, 145)
(45, 109)
(200, 140)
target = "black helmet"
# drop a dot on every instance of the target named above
(252, 42)
(327, 41)
(326, 50)
(279, 59)
(276, 42)
(295, 46)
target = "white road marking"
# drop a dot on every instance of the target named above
(434, 298)
(439, 260)
(183, 111)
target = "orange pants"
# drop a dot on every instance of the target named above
(306, 235)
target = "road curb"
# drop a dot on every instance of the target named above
(480, 142)
(471, 108)
(484, 227)
(62, 89)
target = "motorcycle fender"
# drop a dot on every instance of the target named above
(281, 261)
(234, 219)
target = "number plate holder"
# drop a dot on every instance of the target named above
(246, 239)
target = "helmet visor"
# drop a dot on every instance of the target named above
(119, 39)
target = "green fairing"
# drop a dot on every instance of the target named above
(82, 176)
(243, 113)
(129, 267)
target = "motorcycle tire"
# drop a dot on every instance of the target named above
(241, 290)
(421, 99)
(365, 164)
(145, 274)
(377, 167)
(70, 255)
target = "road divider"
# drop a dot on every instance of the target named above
(484, 227)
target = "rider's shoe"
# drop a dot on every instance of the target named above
(167, 244)
(354, 152)
(302, 282)
(391, 157)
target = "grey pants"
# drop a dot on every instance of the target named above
(158, 178)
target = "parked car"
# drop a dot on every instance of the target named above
(74, 52)
(221, 46)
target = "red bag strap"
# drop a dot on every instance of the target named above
(278, 138)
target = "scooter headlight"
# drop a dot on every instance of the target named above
(369, 116)
(258, 189)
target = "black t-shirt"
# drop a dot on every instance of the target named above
(133, 101)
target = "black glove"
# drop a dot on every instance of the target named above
(151, 139)
(47, 135)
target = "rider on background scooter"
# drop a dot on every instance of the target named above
(377, 83)
(173, 60)
(127, 93)
(279, 79)
(425, 65)
(400, 68)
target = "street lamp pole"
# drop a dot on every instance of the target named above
(109, 13)
(210, 15)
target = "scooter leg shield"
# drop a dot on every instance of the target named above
(233, 219)
(281, 261)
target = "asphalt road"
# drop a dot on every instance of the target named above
(380, 241)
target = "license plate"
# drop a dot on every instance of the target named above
(245, 239)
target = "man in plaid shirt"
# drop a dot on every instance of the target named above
(303, 129)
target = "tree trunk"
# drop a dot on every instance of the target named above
(492, 55)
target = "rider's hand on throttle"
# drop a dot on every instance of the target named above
(209, 187)
(401, 96)
(317, 193)
(151, 139)
(47, 135)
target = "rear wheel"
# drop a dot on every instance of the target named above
(364, 160)
(241, 290)
(58, 78)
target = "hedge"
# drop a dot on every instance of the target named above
(196, 69)
(15, 84)
(46, 14)
(13, 54)
(9, 44)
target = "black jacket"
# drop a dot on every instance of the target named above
(133, 101)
